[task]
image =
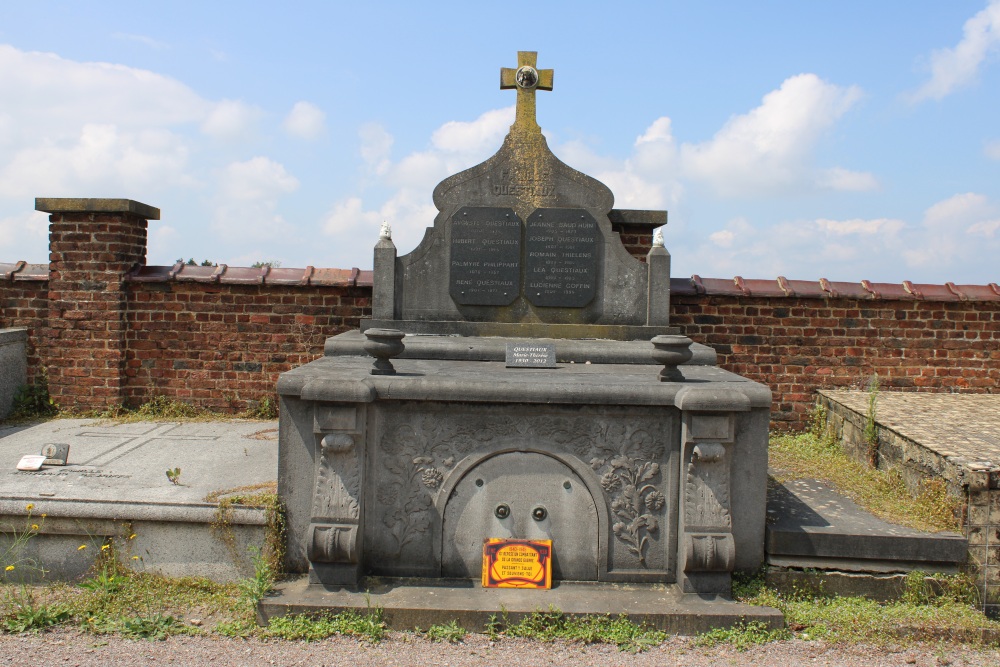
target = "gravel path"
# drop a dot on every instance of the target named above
(69, 647)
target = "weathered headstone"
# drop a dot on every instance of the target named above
(634, 473)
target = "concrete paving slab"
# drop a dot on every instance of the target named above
(407, 604)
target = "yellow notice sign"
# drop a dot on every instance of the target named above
(517, 563)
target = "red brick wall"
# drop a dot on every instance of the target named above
(798, 345)
(223, 346)
(25, 303)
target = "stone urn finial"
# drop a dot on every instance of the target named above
(385, 232)
(658, 238)
(384, 344)
(671, 351)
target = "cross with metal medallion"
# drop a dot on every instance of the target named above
(526, 79)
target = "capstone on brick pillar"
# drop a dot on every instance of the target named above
(93, 244)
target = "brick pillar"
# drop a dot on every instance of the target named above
(93, 244)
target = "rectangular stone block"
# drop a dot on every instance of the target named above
(13, 366)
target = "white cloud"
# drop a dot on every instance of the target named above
(796, 248)
(954, 68)
(305, 121)
(376, 145)
(847, 180)
(482, 135)
(231, 120)
(348, 214)
(24, 236)
(50, 97)
(101, 158)
(956, 233)
(247, 199)
(768, 148)
(992, 149)
(958, 210)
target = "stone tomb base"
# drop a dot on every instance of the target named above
(636, 481)
(408, 604)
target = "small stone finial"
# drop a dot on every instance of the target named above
(658, 237)
(385, 232)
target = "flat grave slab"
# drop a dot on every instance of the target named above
(810, 524)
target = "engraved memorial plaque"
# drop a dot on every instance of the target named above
(485, 256)
(561, 257)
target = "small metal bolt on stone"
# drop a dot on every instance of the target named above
(384, 344)
(671, 351)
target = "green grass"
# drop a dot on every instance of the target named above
(946, 612)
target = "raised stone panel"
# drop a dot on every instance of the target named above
(712, 427)
(620, 458)
(339, 418)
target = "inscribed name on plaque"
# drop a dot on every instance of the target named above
(517, 563)
(485, 267)
(531, 355)
(561, 248)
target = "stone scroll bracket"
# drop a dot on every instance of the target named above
(333, 544)
(706, 546)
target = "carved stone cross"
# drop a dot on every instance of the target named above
(526, 79)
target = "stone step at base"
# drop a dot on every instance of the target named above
(409, 604)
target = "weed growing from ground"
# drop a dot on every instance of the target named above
(554, 624)
(32, 401)
(12, 559)
(369, 627)
(927, 612)
(742, 636)
(450, 632)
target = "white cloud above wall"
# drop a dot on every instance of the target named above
(305, 121)
(958, 67)
(247, 199)
(231, 120)
(769, 148)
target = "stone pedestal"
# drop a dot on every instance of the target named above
(639, 480)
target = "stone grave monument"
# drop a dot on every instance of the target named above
(526, 384)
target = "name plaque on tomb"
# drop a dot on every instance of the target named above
(561, 257)
(485, 256)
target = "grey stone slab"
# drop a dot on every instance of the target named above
(809, 520)
(344, 378)
(407, 604)
(115, 486)
(583, 331)
(476, 348)
(13, 366)
(128, 462)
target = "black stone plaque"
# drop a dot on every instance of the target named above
(531, 355)
(561, 252)
(485, 256)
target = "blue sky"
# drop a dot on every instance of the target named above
(848, 140)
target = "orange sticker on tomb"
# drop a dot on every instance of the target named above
(517, 563)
